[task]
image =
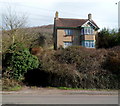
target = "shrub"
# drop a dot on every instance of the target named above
(112, 62)
(109, 38)
(36, 51)
(52, 73)
(18, 61)
(76, 67)
(85, 60)
(10, 84)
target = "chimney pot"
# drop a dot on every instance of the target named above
(56, 14)
(89, 16)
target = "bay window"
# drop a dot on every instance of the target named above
(88, 44)
(68, 32)
(87, 31)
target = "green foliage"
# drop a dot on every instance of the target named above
(108, 38)
(18, 61)
(66, 88)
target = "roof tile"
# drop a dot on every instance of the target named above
(65, 22)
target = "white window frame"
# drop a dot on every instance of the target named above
(67, 44)
(87, 31)
(68, 32)
(82, 31)
(88, 44)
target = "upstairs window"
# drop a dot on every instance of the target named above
(82, 31)
(87, 31)
(68, 32)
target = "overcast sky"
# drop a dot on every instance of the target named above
(41, 12)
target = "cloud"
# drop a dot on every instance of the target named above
(105, 12)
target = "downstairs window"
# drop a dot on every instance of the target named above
(66, 44)
(88, 44)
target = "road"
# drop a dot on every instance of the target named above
(59, 99)
(56, 96)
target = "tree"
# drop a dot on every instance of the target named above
(108, 38)
(12, 21)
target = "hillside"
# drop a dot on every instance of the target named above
(44, 28)
(31, 36)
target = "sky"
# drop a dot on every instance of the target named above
(119, 15)
(42, 12)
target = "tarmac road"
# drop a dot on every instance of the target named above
(55, 96)
(59, 99)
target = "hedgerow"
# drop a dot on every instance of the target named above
(76, 67)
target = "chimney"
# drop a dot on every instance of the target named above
(89, 16)
(56, 14)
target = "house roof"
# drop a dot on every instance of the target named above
(65, 22)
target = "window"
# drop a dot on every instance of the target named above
(66, 44)
(87, 31)
(82, 31)
(68, 32)
(88, 44)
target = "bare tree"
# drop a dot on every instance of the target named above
(11, 20)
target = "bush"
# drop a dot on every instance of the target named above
(10, 84)
(18, 61)
(109, 38)
(112, 62)
(85, 60)
(88, 63)
(52, 73)
(76, 67)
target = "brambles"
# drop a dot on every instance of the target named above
(75, 67)
(11, 84)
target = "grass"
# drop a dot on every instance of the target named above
(65, 88)
(15, 88)
(18, 87)
(92, 89)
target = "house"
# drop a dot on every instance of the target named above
(69, 32)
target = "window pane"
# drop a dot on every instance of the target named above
(86, 44)
(87, 31)
(81, 31)
(84, 31)
(66, 44)
(66, 32)
(89, 44)
(69, 32)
